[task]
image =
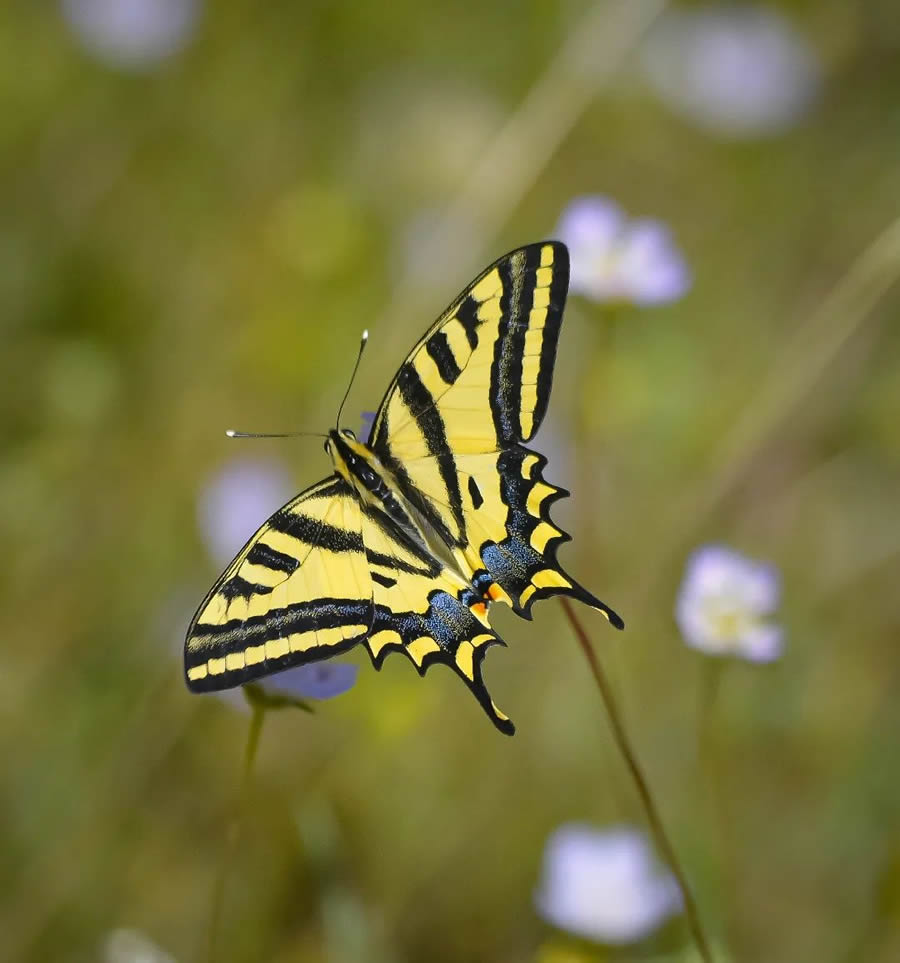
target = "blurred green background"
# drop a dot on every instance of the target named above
(192, 237)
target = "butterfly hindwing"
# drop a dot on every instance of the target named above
(299, 591)
(426, 610)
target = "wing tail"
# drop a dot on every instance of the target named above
(426, 611)
(524, 562)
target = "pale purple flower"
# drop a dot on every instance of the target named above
(316, 680)
(737, 70)
(604, 885)
(237, 500)
(131, 33)
(616, 258)
(366, 420)
(723, 602)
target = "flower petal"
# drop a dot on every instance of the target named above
(762, 643)
(237, 499)
(317, 680)
(722, 601)
(762, 587)
(603, 885)
(612, 259)
(132, 33)
(735, 70)
(652, 268)
(592, 222)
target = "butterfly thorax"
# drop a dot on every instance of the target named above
(357, 464)
(382, 497)
(373, 483)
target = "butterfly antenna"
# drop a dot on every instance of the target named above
(231, 433)
(362, 345)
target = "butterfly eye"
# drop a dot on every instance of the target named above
(347, 433)
(328, 445)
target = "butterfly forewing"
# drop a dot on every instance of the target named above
(495, 348)
(299, 591)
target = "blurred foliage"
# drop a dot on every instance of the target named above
(196, 246)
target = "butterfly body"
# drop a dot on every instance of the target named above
(441, 513)
(357, 464)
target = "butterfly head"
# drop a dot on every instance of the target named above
(335, 436)
(355, 461)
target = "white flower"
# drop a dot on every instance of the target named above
(613, 258)
(722, 602)
(237, 500)
(733, 69)
(131, 33)
(604, 885)
(132, 946)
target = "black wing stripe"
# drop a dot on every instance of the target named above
(268, 557)
(420, 403)
(313, 531)
(438, 347)
(517, 275)
(559, 286)
(237, 587)
(394, 533)
(395, 564)
(293, 619)
(467, 315)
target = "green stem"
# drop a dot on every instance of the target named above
(624, 745)
(711, 765)
(710, 685)
(234, 830)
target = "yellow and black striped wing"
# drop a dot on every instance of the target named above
(479, 380)
(324, 574)
(453, 424)
(299, 591)
(425, 610)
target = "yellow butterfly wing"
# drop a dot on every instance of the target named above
(426, 610)
(452, 428)
(299, 591)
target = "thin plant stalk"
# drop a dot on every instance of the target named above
(624, 746)
(234, 830)
(711, 766)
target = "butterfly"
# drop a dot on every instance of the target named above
(442, 512)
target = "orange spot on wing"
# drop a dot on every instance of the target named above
(497, 594)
